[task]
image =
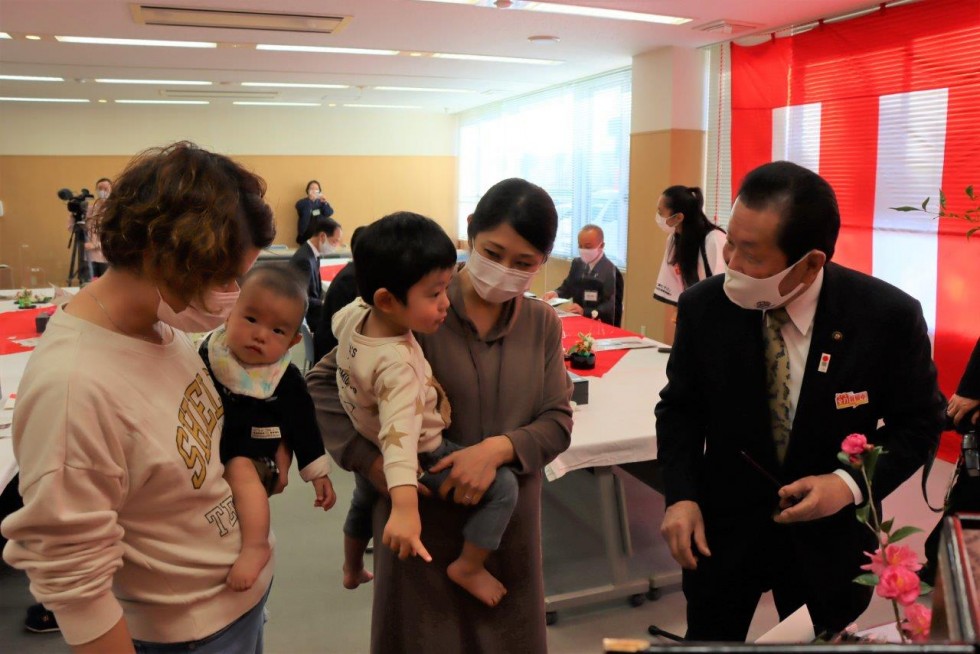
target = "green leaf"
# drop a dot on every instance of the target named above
(904, 532)
(862, 513)
(972, 232)
(886, 526)
(871, 461)
(844, 458)
(866, 579)
(905, 208)
(925, 203)
(942, 199)
(924, 588)
(969, 192)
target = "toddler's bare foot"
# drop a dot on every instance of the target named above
(247, 567)
(477, 581)
(354, 578)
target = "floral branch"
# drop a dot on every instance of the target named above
(971, 214)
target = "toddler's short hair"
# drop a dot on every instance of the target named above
(283, 280)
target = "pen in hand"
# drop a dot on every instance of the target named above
(768, 475)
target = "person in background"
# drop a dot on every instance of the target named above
(341, 292)
(591, 281)
(499, 358)
(93, 216)
(774, 365)
(128, 531)
(694, 247)
(325, 232)
(309, 209)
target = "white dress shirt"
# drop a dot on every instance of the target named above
(798, 332)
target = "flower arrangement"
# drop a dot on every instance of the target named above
(581, 355)
(26, 299)
(892, 568)
(971, 214)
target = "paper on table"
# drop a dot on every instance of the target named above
(555, 301)
(9, 404)
(623, 343)
(797, 628)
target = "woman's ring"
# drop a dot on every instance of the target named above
(467, 497)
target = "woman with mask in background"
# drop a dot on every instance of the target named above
(694, 247)
(310, 208)
(499, 358)
(93, 246)
(127, 531)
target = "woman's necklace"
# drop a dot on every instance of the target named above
(155, 341)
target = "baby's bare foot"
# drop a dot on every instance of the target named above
(478, 582)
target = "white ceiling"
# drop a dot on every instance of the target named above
(587, 46)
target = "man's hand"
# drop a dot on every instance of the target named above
(959, 407)
(812, 498)
(576, 309)
(325, 495)
(682, 523)
(550, 295)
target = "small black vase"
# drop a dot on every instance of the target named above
(583, 361)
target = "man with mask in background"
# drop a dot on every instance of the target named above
(97, 265)
(327, 237)
(591, 281)
(773, 365)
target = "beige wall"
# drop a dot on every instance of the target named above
(657, 160)
(360, 188)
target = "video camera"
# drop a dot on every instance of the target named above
(77, 204)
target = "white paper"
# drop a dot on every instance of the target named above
(623, 343)
(797, 628)
(555, 301)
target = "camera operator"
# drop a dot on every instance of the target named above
(77, 211)
(93, 218)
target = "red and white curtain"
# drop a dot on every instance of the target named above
(885, 107)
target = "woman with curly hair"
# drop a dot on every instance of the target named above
(128, 529)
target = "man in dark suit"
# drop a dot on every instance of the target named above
(326, 233)
(591, 281)
(341, 292)
(773, 365)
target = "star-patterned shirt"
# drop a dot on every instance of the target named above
(386, 387)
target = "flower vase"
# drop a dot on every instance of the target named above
(583, 361)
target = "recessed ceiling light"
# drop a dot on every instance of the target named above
(91, 40)
(332, 104)
(102, 100)
(4, 35)
(161, 102)
(383, 106)
(165, 82)
(31, 78)
(323, 49)
(414, 54)
(32, 37)
(76, 100)
(296, 85)
(503, 60)
(420, 89)
(278, 104)
(575, 10)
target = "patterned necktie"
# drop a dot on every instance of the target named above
(777, 378)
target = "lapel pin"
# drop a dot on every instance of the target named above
(824, 362)
(837, 336)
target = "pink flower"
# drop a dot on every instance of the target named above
(899, 584)
(855, 445)
(895, 555)
(917, 622)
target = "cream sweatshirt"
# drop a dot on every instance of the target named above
(387, 389)
(125, 508)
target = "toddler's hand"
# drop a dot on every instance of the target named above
(403, 535)
(325, 495)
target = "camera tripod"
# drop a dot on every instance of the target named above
(78, 267)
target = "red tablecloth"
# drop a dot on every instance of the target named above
(328, 272)
(604, 361)
(17, 325)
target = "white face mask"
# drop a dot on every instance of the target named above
(103, 195)
(326, 248)
(589, 255)
(197, 319)
(762, 294)
(496, 283)
(662, 223)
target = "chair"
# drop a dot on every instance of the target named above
(618, 311)
(302, 353)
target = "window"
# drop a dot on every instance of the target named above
(572, 140)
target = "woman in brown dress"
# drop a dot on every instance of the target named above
(499, 358)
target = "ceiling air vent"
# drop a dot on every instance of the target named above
(202, 94)
(727, 27)
(239, 20)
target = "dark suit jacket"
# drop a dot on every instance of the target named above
(341, 292)
(714, 405)
(305, 218)
(308, 263)
(970, 382)
(604, 274)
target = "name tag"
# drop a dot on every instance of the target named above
(850, 400)
(266, 433)
(316, 212)
(590, 296)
